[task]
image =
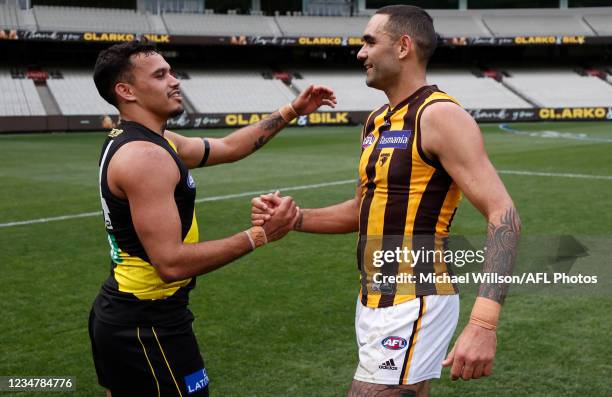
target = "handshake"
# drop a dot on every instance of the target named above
(275, 214)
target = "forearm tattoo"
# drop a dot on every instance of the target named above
(271, 125)
(502, 241)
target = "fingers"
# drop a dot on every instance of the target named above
(321, 89)
(468, 371)
(457, 368)
(307, 91)
(259, 219)
(478, 370)
(286, 204)
(449, 358)
(271, 199)
(488, 369)
(329, 102)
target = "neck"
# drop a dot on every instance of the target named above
(405, 87)
(149, 120)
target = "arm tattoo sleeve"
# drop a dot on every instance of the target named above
(271, 126)
(502, 241)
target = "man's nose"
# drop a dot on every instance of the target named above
(361, 55)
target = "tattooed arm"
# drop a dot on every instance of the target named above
(502, 240)
(249, 139)
(450, 135)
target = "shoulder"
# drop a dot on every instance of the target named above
(137, 159)
(446, 127)
(446, 116)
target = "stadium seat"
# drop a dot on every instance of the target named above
(76, 94)
(85, 19)
(19, 97)
(560, 87)
(234, 91)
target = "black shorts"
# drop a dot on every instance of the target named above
(147, 361)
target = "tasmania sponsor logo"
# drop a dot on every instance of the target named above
(394, 139)
(368, 140)
(394, 343)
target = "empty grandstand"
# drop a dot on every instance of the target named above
(448, 23)
(19, 96)
(560, 87)
(9, 17)
(76, 94)
(452, 23)
(530, 24)
(349, 86)
(220, 25)
(86, 19)
(474, 92)
(234, 91)
(321, 26)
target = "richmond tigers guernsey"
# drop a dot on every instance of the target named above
(134, 294)
(407, 201)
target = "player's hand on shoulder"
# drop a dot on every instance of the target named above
(313, 98)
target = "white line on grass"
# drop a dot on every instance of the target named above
(554, 134)
(200, 200)
(302, 187)
(554, 174)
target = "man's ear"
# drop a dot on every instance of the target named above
(124, 92)
(405, 47)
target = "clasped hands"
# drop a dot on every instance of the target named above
(277, 215)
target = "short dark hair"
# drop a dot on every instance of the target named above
(414, 21)
(114, 65)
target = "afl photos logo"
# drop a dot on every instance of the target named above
(394, 343)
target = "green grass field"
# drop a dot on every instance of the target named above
(279, 322)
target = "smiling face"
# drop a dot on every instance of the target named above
(152, 86)
(379, 54)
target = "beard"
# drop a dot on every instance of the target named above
(176, 112)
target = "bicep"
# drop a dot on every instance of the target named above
(190, 150)
(149, 186)
(457, 142)
(219, 151)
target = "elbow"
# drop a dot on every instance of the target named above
(508, 219)
(168, 271)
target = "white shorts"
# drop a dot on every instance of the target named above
(406, 343)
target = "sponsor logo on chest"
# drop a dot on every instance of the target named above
(397, 139)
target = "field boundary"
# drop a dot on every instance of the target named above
(300, 187)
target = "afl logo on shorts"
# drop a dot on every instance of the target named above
(394, 343)
(190, 181)
(368, 140)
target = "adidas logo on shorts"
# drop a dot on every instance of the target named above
(389, 364)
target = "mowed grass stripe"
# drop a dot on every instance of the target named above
(294, 188)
